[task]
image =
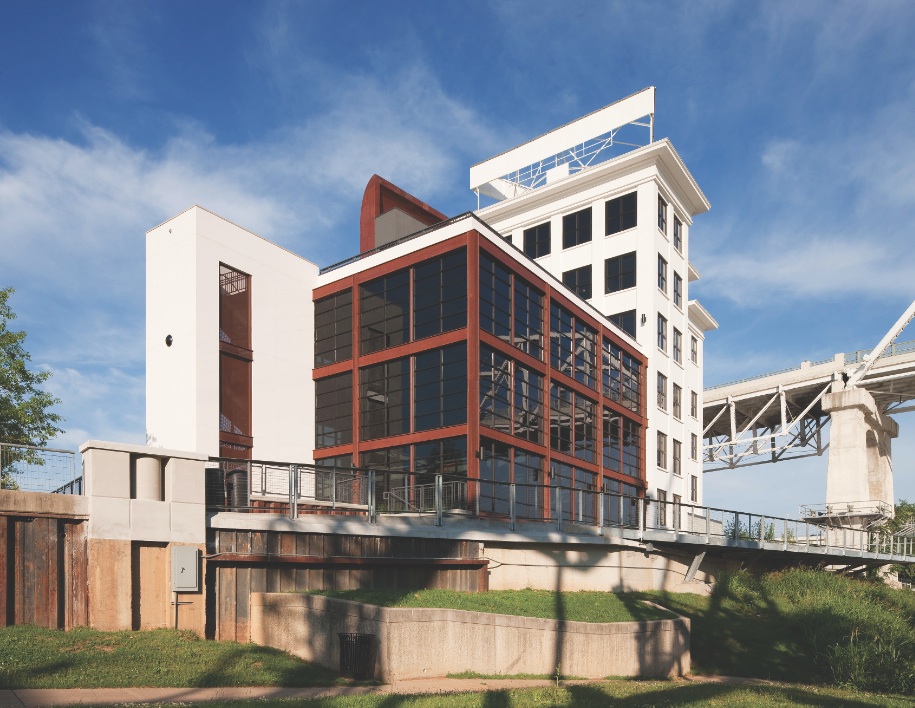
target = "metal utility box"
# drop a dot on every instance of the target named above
(185, 569)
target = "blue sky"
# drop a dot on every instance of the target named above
(797, 120)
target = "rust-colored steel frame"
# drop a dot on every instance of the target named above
(247, 356)
(474, 242)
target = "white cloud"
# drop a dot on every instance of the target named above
(73, 213)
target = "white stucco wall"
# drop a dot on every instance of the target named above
(648, 171)
(182, 403)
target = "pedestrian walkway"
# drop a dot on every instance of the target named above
(32, 697)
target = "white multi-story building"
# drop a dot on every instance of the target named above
(616, 230)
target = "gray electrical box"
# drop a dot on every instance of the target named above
(185, 569)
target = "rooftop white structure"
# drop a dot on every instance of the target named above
(616, 229)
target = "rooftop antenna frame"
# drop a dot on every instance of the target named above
(566, 150)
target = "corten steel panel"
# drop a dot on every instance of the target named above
(5, 571)
(235, 306)
(381, 196)
(77, 575)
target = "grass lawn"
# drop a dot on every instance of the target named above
(545, 604)
(32, 657)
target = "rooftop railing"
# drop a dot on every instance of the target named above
(856, 357)
(300, 490)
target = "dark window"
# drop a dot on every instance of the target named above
(579, 281)
(662, 332)
(621, 213)
(528, 335)
(562, 348)
(625, 321)
(694, 404)
(334, 410)
(678, 402)
(578, 493)
(619, 273)
(573, 424)
(495, 298)
(662, 451)
(573, 346)
(611, 440)
(334, 328)
(678, 233)
(440, 294)
(693, 446)
(332, 480)
(440, 388)
(384, 399)
(662, 274)
(586, 357)
(677, 452)
(678, 290)
(576, 228)
(678, 346)
(621, 376)
(662, 215)
(495, 476)
(528, 478)
(694, 350)
(662, 391)
(511, 396)
(693, 489)
(448, 457)
(537, 240)
(632, 446)
(495, 390)
(392, 484)
(528, 416)
(662, 507)
(384, 312)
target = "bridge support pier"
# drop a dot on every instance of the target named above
(859, 483)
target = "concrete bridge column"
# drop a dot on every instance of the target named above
(860, 460)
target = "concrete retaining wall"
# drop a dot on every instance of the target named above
(434, 642)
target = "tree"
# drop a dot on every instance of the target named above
(26, 417)
(902, 521)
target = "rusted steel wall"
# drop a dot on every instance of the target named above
(43, 571)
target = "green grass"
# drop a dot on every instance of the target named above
(803, 625)
(545, 604)
(616, 694)
(32, 657)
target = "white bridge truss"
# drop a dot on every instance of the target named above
(779, 416)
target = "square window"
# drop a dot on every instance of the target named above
(576, 228)
(625, 321)
(579, 281)
(621, 213)
(537, 241)
(619, 273)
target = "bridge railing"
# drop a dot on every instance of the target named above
(449, 499)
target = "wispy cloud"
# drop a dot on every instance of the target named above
(73, 212)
